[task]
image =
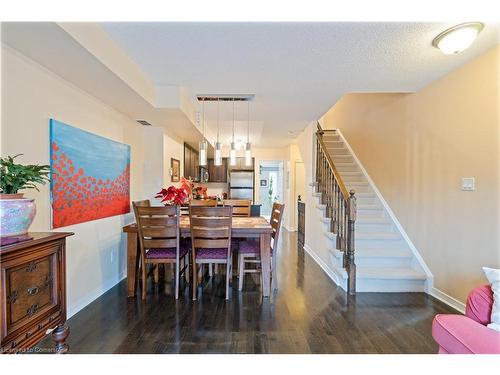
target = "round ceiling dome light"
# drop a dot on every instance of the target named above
(457, 38)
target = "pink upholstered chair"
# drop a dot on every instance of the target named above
(458, 334)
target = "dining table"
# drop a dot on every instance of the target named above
(242, 227)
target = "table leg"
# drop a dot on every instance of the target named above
(265, 258)
(132, 263)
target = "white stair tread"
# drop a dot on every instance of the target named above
(377, 236)
(358, 183)
(364, 194)
(351, 173)
(369, 207)
(330, 235)
(403, 273)
(345, 165)
(372, 220)
(378, 253)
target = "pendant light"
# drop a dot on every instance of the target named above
(203, 142)
(232, 153)
(248, 148)
(218, 150)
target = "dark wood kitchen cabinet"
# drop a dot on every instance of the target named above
(191, 163)
(240, 165)
(217, 173)
(33, 292)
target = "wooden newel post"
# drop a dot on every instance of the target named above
(351, 265)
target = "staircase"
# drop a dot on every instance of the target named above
(384, 260)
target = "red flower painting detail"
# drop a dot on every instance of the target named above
(78, 197)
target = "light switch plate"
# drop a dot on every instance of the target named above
(468, 183)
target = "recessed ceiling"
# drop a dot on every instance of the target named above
(297, 71)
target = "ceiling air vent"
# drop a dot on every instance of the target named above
(144, 122)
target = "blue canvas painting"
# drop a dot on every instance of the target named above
(91, 175)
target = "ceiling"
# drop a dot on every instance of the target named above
(297, 71)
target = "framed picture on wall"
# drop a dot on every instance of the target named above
(91, 175)
(263, 183)
(176, 169)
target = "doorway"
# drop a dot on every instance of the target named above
(299, 189)
(270, 185)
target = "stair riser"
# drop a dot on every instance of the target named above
(390, 286)
(359, 188)
(369, 227)
(342, 159)
(338, 151)
(348, 180)
(383, 262)
(378, 244)
(365, 201)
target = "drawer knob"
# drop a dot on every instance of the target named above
(32, 310)
(32, 291)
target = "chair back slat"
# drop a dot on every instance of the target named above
(158, 221)
(276, 217)
(158, 227)
(203, 203)
(143, 203)
(159, 211)
(210, 227)
(207, 243)
(159, 244)
(159, 232)
(241, 207)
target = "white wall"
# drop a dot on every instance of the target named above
(154, 168)
(96, 254)
(172, 148)
(425, 143)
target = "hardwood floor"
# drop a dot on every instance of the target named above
(308, 314)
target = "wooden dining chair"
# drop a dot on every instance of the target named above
(203, 203)
(143, 203)
(249, 250)
(241, 207)
(211, 240)
(160, 242)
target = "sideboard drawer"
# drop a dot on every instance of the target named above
(30, 288)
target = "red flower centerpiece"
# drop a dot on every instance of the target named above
(173, 196)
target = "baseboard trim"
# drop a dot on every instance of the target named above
(329, 272)
(89, 298)
(450, 301)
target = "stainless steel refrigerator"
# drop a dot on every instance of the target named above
(241, 185)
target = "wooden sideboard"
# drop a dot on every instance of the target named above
(33, 292)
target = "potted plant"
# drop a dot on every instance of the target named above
(16, 212)
(173, 196)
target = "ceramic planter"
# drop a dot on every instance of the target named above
(16, 216)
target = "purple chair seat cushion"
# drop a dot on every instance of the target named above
(249, 247)
(459, 334)
(168, 252)
(202, 253)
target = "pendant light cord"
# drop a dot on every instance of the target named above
(217, 120)
(233, 121)
(203, 118)
(248, 121)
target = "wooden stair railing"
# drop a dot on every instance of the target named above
(340, 206)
